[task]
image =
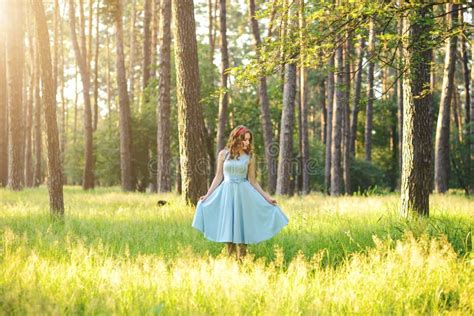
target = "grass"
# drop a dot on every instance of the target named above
(119, 253)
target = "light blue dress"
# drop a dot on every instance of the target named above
(235, 211)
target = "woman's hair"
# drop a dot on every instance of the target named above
(234, 142)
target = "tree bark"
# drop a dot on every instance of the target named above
(304, 145)
(370, 93)
(125, 116)
(346, 136)
(15, 63)
(164, 100)
(417, 123)
(285, 157)
(28, 176)
(270, 153)
(146, 45)
(442, 128)
(55, 182)
(81, 58)
(3, 115)
(357, 91)
(132, 52)
(400, 96)
(96, 68)
(191, 131)
(329, 104)
(339, 101)
(223, 95)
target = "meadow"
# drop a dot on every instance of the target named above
(121, 253)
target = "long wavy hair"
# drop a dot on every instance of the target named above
(234, 142)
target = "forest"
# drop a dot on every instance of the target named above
(322, 85)
(113, 114)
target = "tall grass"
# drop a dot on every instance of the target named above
(120, 253)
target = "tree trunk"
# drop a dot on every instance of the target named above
(3, 115)
(417, 123)
(270, 153)
(442, 128)
(370, 93)
(190, 119)
(28, 176)
(164, 100)
(15, 61)
(38, 146)
(125, 117)
(96, 68)
(336, 124)
(357, 91)
(223, 95)
(303, 107)
(285, 157)
(81, 58)
(324, 114)
(400, 96)
(131, 58)
(155, 23)
(55, 183)
(329, 103)
(467, 102)
(146, 45)
(346, 136)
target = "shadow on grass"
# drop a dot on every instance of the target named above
(168, 237)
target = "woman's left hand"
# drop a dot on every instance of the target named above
(271, 200)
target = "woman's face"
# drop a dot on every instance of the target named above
(246, 141)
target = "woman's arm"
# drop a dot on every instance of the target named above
(254, 183)
(219, 175)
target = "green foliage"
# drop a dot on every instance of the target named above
(365, 176)
(107, 153)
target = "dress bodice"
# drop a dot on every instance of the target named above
(235, 170)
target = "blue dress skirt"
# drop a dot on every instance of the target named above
(235, 211)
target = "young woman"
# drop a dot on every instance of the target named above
(235, 209)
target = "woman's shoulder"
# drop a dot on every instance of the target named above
(223, 153)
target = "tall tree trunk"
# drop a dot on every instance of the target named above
(155, 24)
(270, 154)
(336, 124)
(357, 91)
(303, 106)
(330, 104)
(370, 93)
(125, 117)
(28, 176)
(38, 146)
(3, 115)
(346, 136)
(417, 123)
(146, 46)
(15, 60)
(210, 17)
(163, 113)
(442, 128)
(81, 58)
(223, 96)
(55, 183)
(96, 68)
(285, 157)
(400, 96)
(191, 131)
(132, 52)
(324, 114)
(471, 114)
(467, 102)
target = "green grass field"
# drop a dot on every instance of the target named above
(119, 253)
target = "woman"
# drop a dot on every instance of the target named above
(236, 210)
